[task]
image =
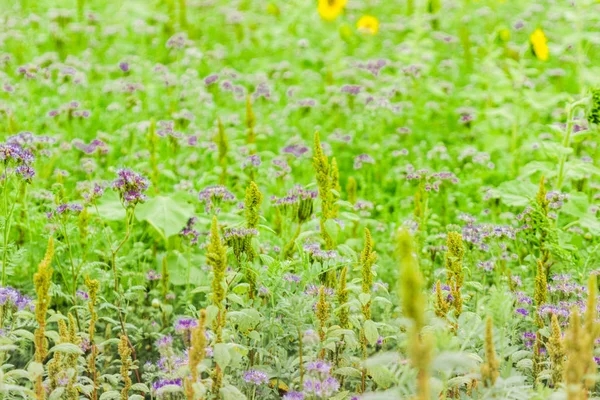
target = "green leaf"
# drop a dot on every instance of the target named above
(111, 394)
(382, 376)
(371, 332)
(68, 348)
(110, 207)
(230, 392)
(516, 193)
(576, 205)
(221, 355)
(168, 215)
(141, 387)
(364, 298)
(57, 394)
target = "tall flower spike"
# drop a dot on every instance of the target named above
(454, 268)
(556, 352)
(411, 281)
(489, 369)
(540, 292)
(441, 305)
(351, 190)
(125, 353)
(412, 300)
(41, 280)
(576, 364)
(367, 260)
(252, 205)
(216, 257)
(71, 392)
(592, 329)
(322, 169)
(322, 312)
(342, 297)
(335, 185)
(540, 197)
(196, 353)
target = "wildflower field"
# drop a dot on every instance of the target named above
(300, 199)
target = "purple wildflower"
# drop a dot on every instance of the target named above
(185, 324)
(131, 187)
(293, 396)
(255, 377)
(152, 275)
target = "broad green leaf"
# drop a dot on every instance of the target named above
(371, 332)
(168, 215)
(382, 376)
(230, 392)
(221, 355)
(68, 348)
(516, 193)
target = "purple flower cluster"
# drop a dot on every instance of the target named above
(164, 342)
(319, 366)
(253, 160)
(255, 377)
(292, 278)
(556, 199)
(19, 158)
(351, 89)
(480, 234)
(297, 150)
(189, 232)
(92, 192)
(564, 286)
(294, 196)
(66, 209)
(131, 187)
(11, 297)
(315, 252)
(152, 275)
(238, 233)
(361, 159)
(293, 396)
(213, 196)
(183, 325)
(95, 145)
(313, 290)
(156, 386)
(322, 389)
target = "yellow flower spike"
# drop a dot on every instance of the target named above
(329, 10)
(504, 35)
(368, 24)
(539, 44)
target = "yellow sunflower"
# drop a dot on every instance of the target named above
(539, 44)
(330, 9)
(368, 24)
